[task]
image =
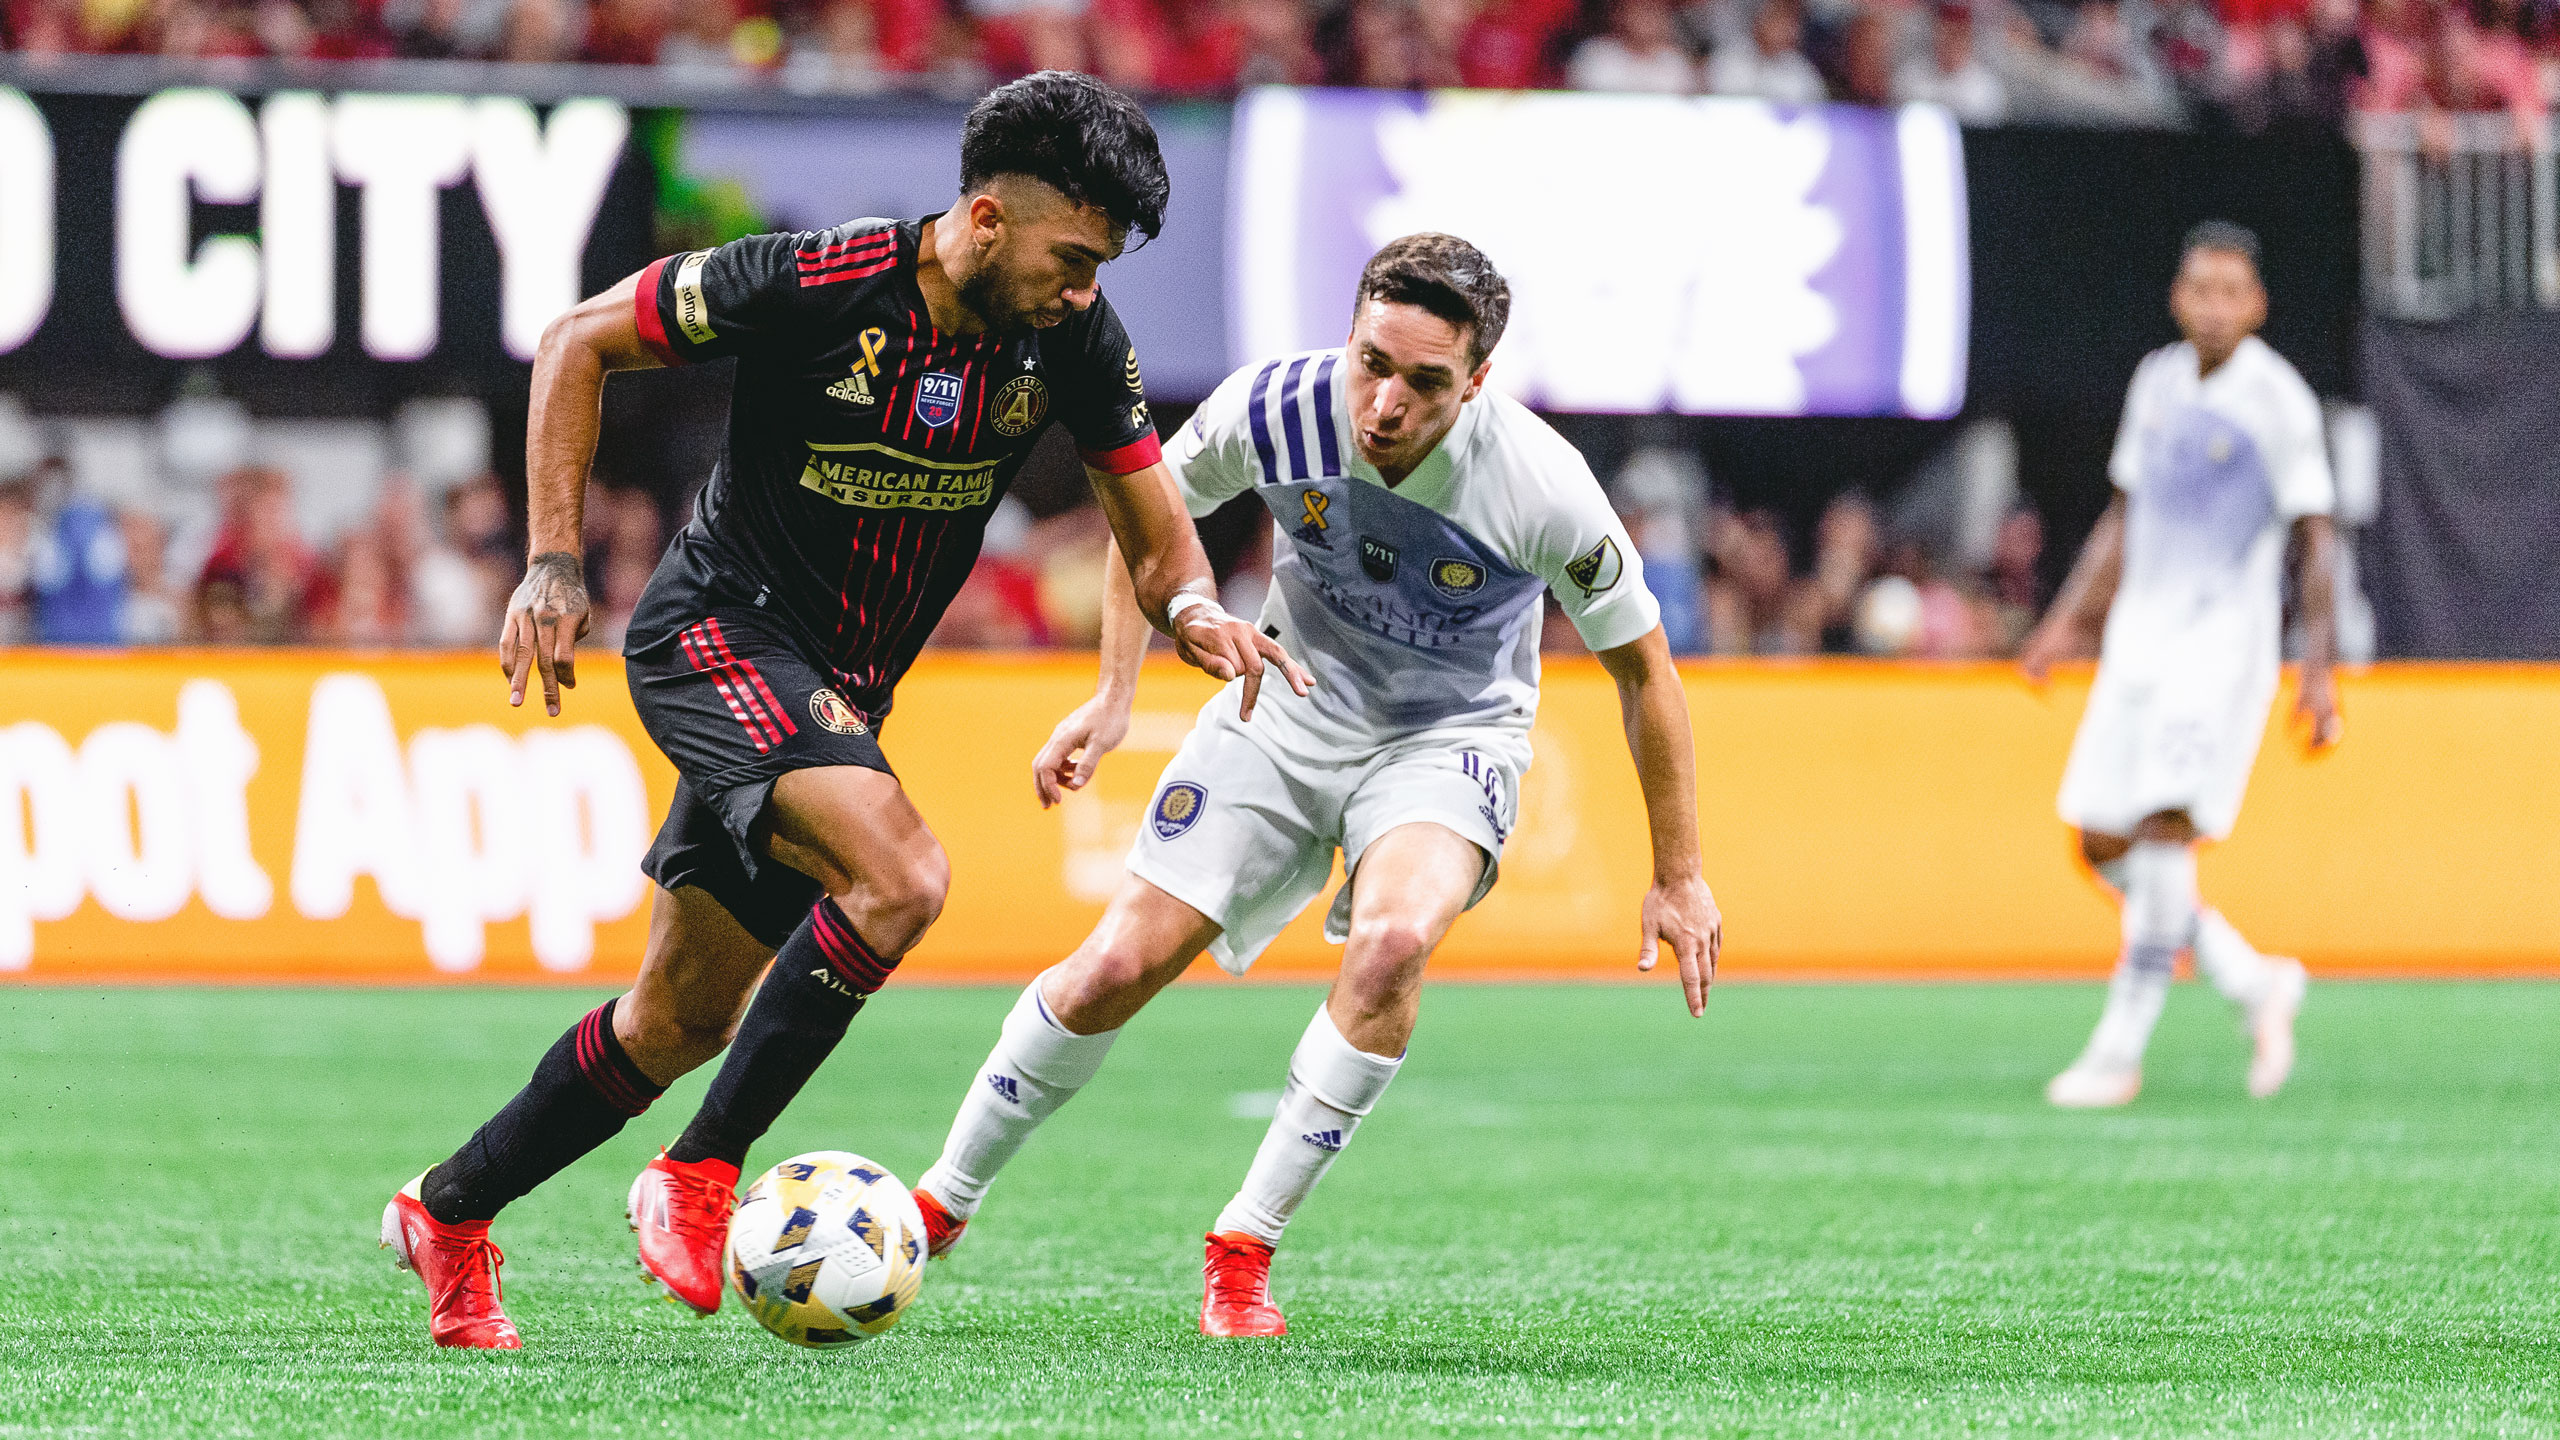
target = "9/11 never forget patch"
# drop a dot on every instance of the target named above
(938, 399)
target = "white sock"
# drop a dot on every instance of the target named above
(2159, 921)
(1037, 1066)
(1331, 1085)
(2233, 965)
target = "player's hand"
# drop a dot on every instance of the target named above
(546, 618)
(1090, 731)
(2048, 644)
(1214, 641)
(2316, 705)
(1683, 915)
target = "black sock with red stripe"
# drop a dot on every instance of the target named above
(817, 985)
(584, 1091)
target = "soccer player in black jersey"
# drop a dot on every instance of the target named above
(891, 378)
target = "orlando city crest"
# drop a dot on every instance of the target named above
(1178, 808)
(1456, 579)
(1020, 406)
(1378, 558)
(938, 399)
(1597, 568)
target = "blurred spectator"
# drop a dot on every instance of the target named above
(151, 614)
(1439, 37)
(259, 582)
(79, 569)
(1951, 72)
(1641, 53)
(541, 32)
(2304, 84)
(1770, 62)
(1867, 58)
(459, 580)
(1822, 610)
(1910, 611)
(1376, 49)
(1275, 44)
(841, 54)
(2014, 582)
(999, 607)
(624, 539)
(17, 562)
(446, 29)
(624, 32)
(2192, 47)
(1747, 598)
(1659, 493)
(366, 601)
(2101, 74)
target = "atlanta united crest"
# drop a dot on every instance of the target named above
(938, 399)
(830, 710)
(1178, 808)
(1020, 406)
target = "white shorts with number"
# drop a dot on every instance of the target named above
(2153, 742)
(1244, 831)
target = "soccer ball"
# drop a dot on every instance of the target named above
(827, 1249)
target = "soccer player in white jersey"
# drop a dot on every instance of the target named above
(1424, 518)
(2218, 457)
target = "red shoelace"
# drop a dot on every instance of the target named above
(1239, 1274)
(473, 1263)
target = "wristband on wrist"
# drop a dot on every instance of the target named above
(1186, 601)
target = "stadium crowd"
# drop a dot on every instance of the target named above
(2253, 64)
(433, 568)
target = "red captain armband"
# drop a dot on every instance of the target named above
(1129, 459)
(644, 315)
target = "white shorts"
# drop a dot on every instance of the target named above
(2147, 745)
(1244, 831)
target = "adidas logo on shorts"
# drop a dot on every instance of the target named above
(1005, 1086)
(1323, 1139)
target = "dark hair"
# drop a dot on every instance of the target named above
(1447, 277)
(1076, 135)
(2221, 235)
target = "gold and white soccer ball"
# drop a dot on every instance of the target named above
(827, 1249)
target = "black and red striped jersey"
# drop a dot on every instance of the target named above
(866, 449)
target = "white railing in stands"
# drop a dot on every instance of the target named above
(2460, 216)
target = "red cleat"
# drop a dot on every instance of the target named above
(681, 1213)
(1237, 1302)
(460, 1268)
(941, 1231)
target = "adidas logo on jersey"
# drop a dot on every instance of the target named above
(1006, 1086)
(1323, 1139)
(854, 389)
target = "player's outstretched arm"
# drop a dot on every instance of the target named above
(1679, 910)
(2316, 703)
(2079, 614)
(548, 614)
(1096, 727)
(1169, 575)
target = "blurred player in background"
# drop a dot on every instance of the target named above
(1426, 518)
(2219, 455)
(892, 377)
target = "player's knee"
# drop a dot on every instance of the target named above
(2101, 849)
(891, 906)
(1389, 945)
(667, 1042)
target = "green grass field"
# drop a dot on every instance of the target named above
(1823, 1211)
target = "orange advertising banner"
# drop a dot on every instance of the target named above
(325, 816)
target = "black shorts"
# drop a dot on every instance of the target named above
(736, 705)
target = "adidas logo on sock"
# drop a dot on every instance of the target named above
(1323, 1139)
(1005, 1086)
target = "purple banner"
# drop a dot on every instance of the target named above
(1704, 256)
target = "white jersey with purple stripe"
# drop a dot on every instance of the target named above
(2214, 470)
(1416, 607)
